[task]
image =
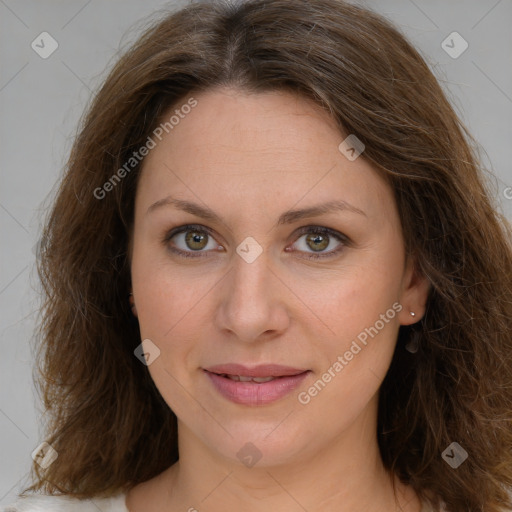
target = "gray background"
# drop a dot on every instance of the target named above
(41, 101)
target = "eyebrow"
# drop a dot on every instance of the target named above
(287, 217)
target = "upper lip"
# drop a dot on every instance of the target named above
(263, 370)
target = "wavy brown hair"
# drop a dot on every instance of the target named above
(109, 424)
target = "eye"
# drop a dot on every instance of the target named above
(191, 241)
(314, 240)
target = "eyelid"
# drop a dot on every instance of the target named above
(186, 227)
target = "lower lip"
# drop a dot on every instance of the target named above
(255, 393)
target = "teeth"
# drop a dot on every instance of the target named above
(262, 379)
(242, 378)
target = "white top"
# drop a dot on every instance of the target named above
(46, 503)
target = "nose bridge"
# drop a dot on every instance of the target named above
(250, 280)
(250, 305)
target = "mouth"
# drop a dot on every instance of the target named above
(261, 371)
(258, 385)
(244, 378)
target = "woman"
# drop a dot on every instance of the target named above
(274, 254)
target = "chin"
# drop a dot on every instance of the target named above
(260, 444)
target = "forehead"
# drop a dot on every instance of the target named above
(234, 120)
(266, 147)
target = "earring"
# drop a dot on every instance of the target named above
(133, 317)
(414, 343)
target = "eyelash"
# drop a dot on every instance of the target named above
(345, 241)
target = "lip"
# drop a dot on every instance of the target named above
(254, 393)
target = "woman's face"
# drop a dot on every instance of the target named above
(295, 257)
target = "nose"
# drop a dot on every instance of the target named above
(253, 301)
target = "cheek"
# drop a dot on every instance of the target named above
(357, 310)
(170, 313)
(173, 310)
(362, 329)
(346, 302)
(354, 360)
(162, 294)
(158, 300)
(167, 305)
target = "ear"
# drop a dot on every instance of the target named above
(415, 290)
(132, 305)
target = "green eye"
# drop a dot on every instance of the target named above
(193, 241)
(319, 238)
(317, 242)
(190, 241)
(196, 240)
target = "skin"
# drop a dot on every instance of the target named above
(249, 158)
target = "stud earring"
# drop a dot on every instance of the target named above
(412, 313)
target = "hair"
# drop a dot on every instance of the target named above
(108, 422)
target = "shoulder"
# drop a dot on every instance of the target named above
(63, 503)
